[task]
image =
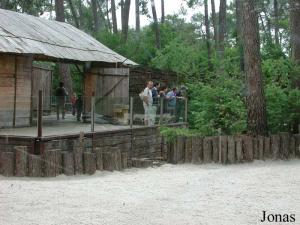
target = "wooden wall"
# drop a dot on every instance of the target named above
(15, 90)
(139, 76)
(110, 86)
(42, 80)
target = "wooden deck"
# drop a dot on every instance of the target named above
(53, 127)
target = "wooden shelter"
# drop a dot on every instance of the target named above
(25, 39)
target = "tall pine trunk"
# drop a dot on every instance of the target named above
(95, 16)
(156, 25)
(81, 19)
(163, 11)
(239, 34)
(64, 69)
(74, 13)
(114, 16)
(207, 29)
(125, 9)
(137, 16)
(214, 21)
(255, 100)
(3, 4)
(295, 30)
(222, 28)
(276, 22)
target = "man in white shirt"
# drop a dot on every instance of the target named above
(148, 103)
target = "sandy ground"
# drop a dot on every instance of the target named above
(181, 194)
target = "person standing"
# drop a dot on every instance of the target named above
(79, 107)
(148, 103)
(171, 97)
(73, 102)
(61, 95)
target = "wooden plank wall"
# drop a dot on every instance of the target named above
(139, 76)
(110, 85)
(15, 90)
(41, 80)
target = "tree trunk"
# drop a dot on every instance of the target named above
(214, 21)
(163, 11)
(295, 30)
(239, 39)
(81, 19)
(95, 16)
(276, 23)
(3, 4)
(74, 13)
(125, 9)
(137, 16)
(60, 10)
(255, 100)
(107, 17)
(114, 16)
(222, 28)
(207, 29)
(156, 25)
(64, 69)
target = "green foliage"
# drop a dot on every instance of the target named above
(217, 106)
(172, 133)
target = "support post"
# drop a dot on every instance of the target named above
(40, 115)
(186, 110)
(131, 112)
(161, 111)
(220, 143)
(93, 114)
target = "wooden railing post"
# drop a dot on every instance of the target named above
(40, 115)
(93, 113)
(131, 112)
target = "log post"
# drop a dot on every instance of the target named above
(52, 163)
(261, 143)
(129, 163)
(239, 149)
(248, 148)
(275, 146)
(89, 162)
(34, 166)
(267, 148)
(68, 163)
(297, 148)
(180, 149)
(99, 162)
(292, 149)
(108, 161)
(207, 150)
(224, 149)
(142, 163)
(197, 149)
(7, 164)
(215, 148)
(78, 164)
(112, 159)
(21, 161)
(255, 148)
(284, 147)
(124, 157)
(231, 150)
(188, 150)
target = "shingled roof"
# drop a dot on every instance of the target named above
(25, 34)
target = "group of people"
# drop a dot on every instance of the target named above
(151, 97)
(76, 101)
